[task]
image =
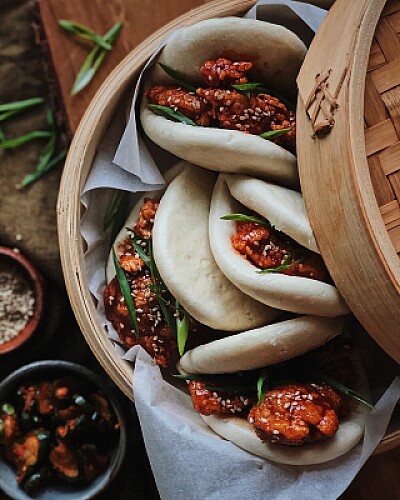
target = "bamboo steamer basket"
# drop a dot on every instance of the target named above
(357, 227)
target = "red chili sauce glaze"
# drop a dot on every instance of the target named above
(220, 105)
(268, 248)
(155, 336)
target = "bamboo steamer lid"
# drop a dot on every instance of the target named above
(349, 158)
(350, 226)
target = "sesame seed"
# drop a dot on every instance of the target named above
(275, 431)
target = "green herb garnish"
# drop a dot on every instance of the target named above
(263, 383)
(260, 88)
(94, 60)
(274, 134)
(247, 218)
(170, 114)
(136, 242)
(286, 264)
(342, 388)
(84, 32)
(46, 160)
(23, 139)
(182, 327)
(41, 169)
(160, 285)
(126, 292)
(12, 108)
(179, 78)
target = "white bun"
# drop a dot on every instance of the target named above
(351, 429)
(290, 293)
(261, 347)
(185, 262)
(283, 207)
(277, 55)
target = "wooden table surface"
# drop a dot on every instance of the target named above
(27, 219)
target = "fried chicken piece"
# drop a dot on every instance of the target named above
(144, 225)
(179, 99)
(225, 72)
(265, 248)
(155, 336)
(297, 414)
(255, 115)
(209, 402)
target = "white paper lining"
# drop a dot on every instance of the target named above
(187, 458)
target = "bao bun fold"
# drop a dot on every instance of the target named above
(263, 346)
(183, 256)
(284, 210)
(277, 55)
(170, 174)
(240, 432)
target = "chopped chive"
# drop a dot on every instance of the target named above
(274, 134)
(342, 388)
(286, 264)
(39, 172)
(178, 77)
(23, 139)
(259, 88)
(247, 218)
(84, 32)
(182, 327)
(12, 108)
(263, 383)
(126, 292)
(94, 60)
(138, 247)
(170, 114)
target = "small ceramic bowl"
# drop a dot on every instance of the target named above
(11, 258)
(48, 370)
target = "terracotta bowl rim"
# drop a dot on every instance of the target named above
(38, 288)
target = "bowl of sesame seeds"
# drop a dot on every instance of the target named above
(21, 299)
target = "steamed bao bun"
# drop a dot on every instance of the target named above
(277, 54)
(185, 262)
(267, 346)
(285, 210)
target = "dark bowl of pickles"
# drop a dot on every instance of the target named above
(62, 432)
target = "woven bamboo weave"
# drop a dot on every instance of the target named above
(382, 118)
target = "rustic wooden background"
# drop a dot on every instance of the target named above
(27, 218)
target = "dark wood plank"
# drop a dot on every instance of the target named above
(140, 18)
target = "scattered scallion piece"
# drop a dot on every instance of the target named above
(158, 282)
(247, 218)
(178, 77)
(41, 169)
(2, 136)
(126, 292)
(46, 160)
(182, 327)
(13, 108)
(286, 264)
(274, 134)
(263, 383)
(136, 242)
(170, 114)
(342, 388)
(84, 32)
(94, 60)
(23, 139)
(260, 88)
